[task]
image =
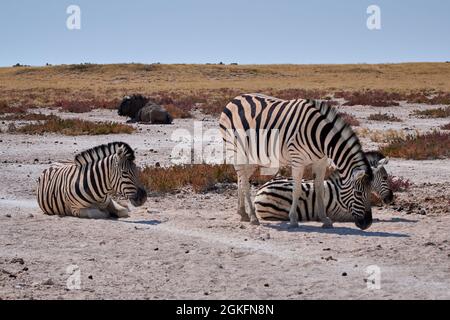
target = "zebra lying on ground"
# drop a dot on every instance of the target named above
(274, 198)
(83, 188)
(309, 132)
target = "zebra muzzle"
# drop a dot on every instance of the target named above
(364, 222)
(139, 198)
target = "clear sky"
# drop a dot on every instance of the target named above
(245, 31)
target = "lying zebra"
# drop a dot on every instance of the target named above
(274, 198)
(83, 188)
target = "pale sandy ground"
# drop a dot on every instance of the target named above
(193, 246)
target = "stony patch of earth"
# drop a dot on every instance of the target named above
(193, 246)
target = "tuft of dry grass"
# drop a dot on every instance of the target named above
(380, 136)
(432, 145)
(349, 119)
(81, 106)
(433, 113)
(6, 108)
(446, 126)
(384, 117)
(429, 97)
(28, 116)
(201, 177)
(375, 98)
(72, 127)
(398, 184)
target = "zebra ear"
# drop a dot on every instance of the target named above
(120, 152)
(358, 175)
(383, 162)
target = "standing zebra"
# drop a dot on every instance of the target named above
(83, 188)
(308, 132)
(274, 198)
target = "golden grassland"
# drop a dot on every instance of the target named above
(46, 85)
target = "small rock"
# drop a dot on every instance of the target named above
(102, 243)
(206, 293)
(266, 285)
(30, 215)
(155, 249)
(48, 282)
(187, 251)
(422, 212)
(326, 249)
(18, 260)
(90, 277)
(344, 274)
(25, 269)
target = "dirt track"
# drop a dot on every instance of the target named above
(194, 247)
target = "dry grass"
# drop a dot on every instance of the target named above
(446, 126)
(6, 108)
(72, 127)
(349, 119)
(433, 145)
(375, 98)
(399, 184)
(28, 116)
(433, 113)
(44, 86)
(429, 97)
(380, 136)
(383, 117)
(201, 177)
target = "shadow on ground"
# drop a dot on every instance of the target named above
(345, 231)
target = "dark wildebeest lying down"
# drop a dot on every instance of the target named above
(142, 109)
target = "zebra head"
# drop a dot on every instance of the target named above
(380, 182)
(125, 176)
(360, 207)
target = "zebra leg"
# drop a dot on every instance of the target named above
(93, 213)
(297, 175)
(116, 210)
(319, 170)
(244, 173)
(241, 201)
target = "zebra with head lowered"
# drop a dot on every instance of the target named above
(83, 188)
(308, 132)
(273, 200)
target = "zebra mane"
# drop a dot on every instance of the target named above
(331, 114)
(103, 151)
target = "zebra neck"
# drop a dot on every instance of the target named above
(104, 170)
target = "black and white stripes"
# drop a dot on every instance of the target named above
(83, 187)
(273, 200)
(309, 132)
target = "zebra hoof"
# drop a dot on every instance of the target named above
(293, 225)
(254, 222)
(327, 226)
(245, 218)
